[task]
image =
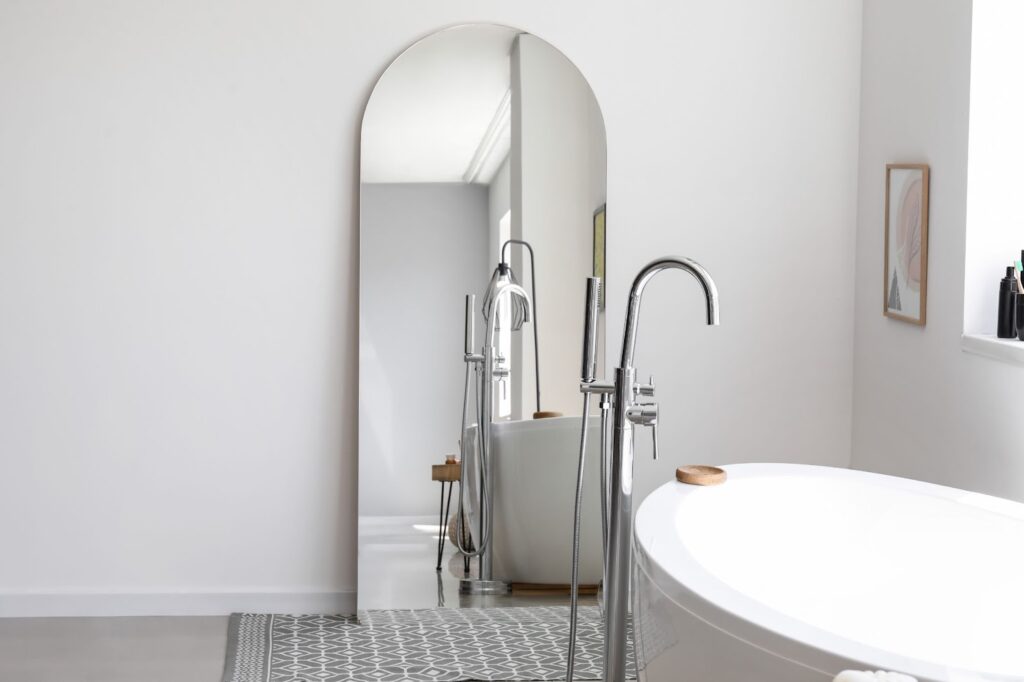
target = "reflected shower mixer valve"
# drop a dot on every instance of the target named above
(500, 370)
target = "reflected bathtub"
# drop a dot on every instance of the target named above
(535, 464)
(792, 573)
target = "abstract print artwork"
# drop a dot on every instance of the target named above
(906, 242)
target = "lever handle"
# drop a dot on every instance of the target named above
(647, 389)
(654, 432)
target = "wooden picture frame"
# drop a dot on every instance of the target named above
(905, 283)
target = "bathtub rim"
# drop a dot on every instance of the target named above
(528, 425)
(682, 580)
(773, 644)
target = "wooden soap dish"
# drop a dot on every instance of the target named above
(700, 474)
(448, 472)
(547, 414)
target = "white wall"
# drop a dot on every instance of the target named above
(499, 203)
(922, 407)
(741, 155)
(559, 158)
(424, 247)
(178, 263)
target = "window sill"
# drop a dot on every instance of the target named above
(990, 346)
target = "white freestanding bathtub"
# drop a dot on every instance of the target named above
(791, 573)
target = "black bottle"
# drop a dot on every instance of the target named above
(1020, 316)
(1007, 323)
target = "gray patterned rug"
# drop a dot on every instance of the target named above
(432, 645)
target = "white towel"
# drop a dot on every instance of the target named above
(879, 676)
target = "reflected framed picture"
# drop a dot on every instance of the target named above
(600, 244)
(906, 242)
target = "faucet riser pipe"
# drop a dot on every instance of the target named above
(486, 559)
(619, 524)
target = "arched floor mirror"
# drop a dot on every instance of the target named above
(482, 206)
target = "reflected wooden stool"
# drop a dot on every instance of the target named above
(451, 473)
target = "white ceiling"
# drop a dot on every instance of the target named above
(434, 108)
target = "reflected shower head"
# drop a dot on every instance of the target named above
(520, 306)
(523, 305)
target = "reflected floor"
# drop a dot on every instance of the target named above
(397, 560)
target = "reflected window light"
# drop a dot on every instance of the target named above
(503, 389)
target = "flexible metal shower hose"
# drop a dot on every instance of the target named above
(577, 516)
(484, 540)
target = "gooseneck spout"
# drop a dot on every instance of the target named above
(637, 292)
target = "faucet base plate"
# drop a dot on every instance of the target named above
(470, 586)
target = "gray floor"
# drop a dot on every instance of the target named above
(400, 557)
(149, 649)
(166, 649)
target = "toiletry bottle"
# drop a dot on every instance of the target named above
(1020, 316)
(1007, 324)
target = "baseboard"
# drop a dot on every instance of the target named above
(37, 604)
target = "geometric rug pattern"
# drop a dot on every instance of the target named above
(428, 645)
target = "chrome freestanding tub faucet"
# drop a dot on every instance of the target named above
(490, 365)
(628, 411)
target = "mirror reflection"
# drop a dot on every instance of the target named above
(482, 214)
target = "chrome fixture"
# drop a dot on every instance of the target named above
(504, 274)
(625, 396)
(588, 374)
(488, 366)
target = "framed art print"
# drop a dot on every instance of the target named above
(906, 242)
